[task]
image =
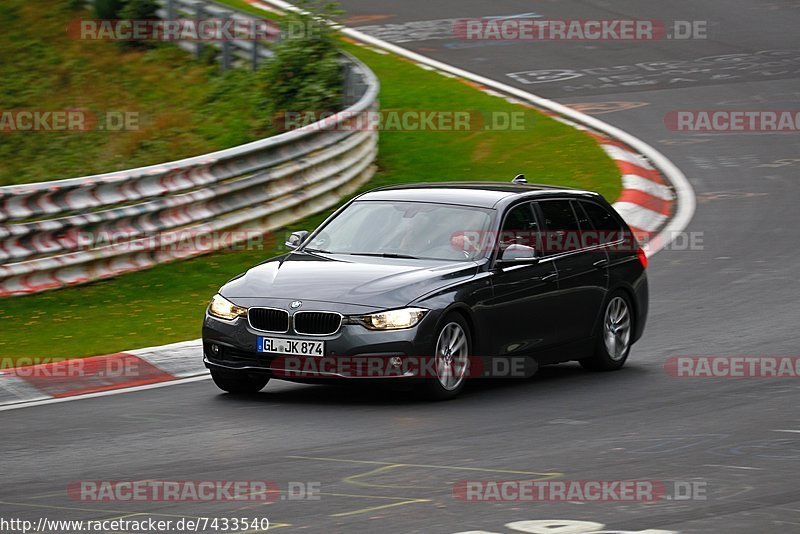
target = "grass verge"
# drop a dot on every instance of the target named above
(181, 107)
(166, 304)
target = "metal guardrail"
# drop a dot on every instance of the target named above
(225, 196)
(249, 52)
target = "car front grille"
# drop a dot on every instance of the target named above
(269, 319)
(317, 323)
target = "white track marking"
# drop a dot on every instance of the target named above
(104, 393)
(735, 467)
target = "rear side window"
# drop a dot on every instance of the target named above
(519, 227)
(562, 232)
(605, 224)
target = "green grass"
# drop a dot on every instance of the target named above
(166, 304)
(184, 107)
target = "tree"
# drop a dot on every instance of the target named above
(306, 74)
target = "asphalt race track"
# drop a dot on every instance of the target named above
(386, 463)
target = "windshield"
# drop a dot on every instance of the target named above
(405, 230)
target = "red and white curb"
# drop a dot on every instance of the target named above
(647, 200)
(657, 201)
(101, 375)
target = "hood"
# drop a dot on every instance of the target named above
(360, 280)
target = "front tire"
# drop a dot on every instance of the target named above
(616, 334)
(451, 359)
(238, 383)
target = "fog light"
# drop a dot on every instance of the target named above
(396, 361)
(215, 349)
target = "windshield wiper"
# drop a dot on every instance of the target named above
(385, 255)
(316, 250)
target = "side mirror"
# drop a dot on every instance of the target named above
(296, 238)
(518, 253)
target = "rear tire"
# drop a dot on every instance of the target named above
(451, 352)
(238, 383)
(616, 332)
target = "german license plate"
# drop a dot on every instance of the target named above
(295, 347)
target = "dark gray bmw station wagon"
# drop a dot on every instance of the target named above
(434, 283)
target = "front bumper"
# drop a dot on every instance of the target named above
(232, 346)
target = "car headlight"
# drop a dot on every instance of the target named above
(393, 319)
(225, 309)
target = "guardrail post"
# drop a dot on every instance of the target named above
(353, 86)
(225, 60)
(255, 50)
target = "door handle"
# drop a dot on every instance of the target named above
(549, 277)
(601, 263)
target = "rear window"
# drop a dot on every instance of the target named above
(562, 232)
(604, 222)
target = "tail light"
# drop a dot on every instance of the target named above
(642, 257)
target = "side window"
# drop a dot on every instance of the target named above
(605, 224)
(562, 232)
(519, 228)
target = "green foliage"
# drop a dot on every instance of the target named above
(209, 54)
(306, 73)
(108, 9)
(121, 9)
(139, 9)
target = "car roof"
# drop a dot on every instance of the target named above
(478, 194)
